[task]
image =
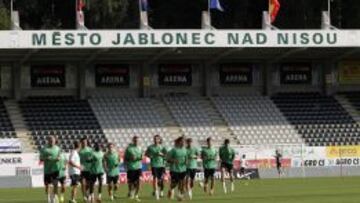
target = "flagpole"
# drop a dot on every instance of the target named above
(209, 12)
(12, 6)
(329, 8)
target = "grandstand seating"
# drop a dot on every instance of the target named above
(256, 120)
(321, 120)
(191, 115)
(65, 117)
(123, 117)
(354, 99)
(6, 127)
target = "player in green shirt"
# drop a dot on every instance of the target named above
(209, 156)
(96, 172)
(133, 162)
(85, 154)
(111, 164)
(227, 157)
(192, 165)
(156, 152)
(177, 158)
(50, 155)
(62, 175)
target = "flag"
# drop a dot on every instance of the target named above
(274, 7)
(215, 4)
(80, 5)
(144, 6)
(80, 19)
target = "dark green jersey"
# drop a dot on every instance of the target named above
(157, 154)
(227, 154)
(112, 164)
(62, 165)
(50, 155)
(178, 159)
(192, 155)
(209, 156)
(85, 154)
(133, 157)
(96, 163)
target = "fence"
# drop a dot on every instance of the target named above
(303, 161)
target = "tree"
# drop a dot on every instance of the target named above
(5, 20)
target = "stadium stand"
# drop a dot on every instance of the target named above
(256, 120)
(65, 117)
(123, 117)
(192, 115)
(354, 99)
(6, 127)
(321, 120)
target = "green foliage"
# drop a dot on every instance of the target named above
(5, 21)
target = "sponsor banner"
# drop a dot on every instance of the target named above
(48, 76)
(298, 73)
(349, 72)
(236, 74)
(177, 38)
(112, 75)
(14, 164)
(175, 75)
(10, 145)
(342, 151)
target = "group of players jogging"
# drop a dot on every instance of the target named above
(86, 167)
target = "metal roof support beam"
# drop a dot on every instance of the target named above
(346, 54)
(224, 54)
(160, 54)
(93, 56)
(287, 54)
(28, 55)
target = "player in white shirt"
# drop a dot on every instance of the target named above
(74, 170)
(242, 165)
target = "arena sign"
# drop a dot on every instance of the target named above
(349, 72)
(296, 73)
(178, 38)
(112, 75)
(175, 75)
(236, 74)
(48, 76)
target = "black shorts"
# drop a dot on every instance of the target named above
(177, 177)
(51, 178)
(278, 165)
(227, 166)
(191, 173)
(62, 180)
(158, 172)
(85, 175)
(75, 179)
(112, 179)
(209, 173)
(133, 176)
(242, 170)
(96, 177)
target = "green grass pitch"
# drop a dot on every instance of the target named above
(307, 190)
